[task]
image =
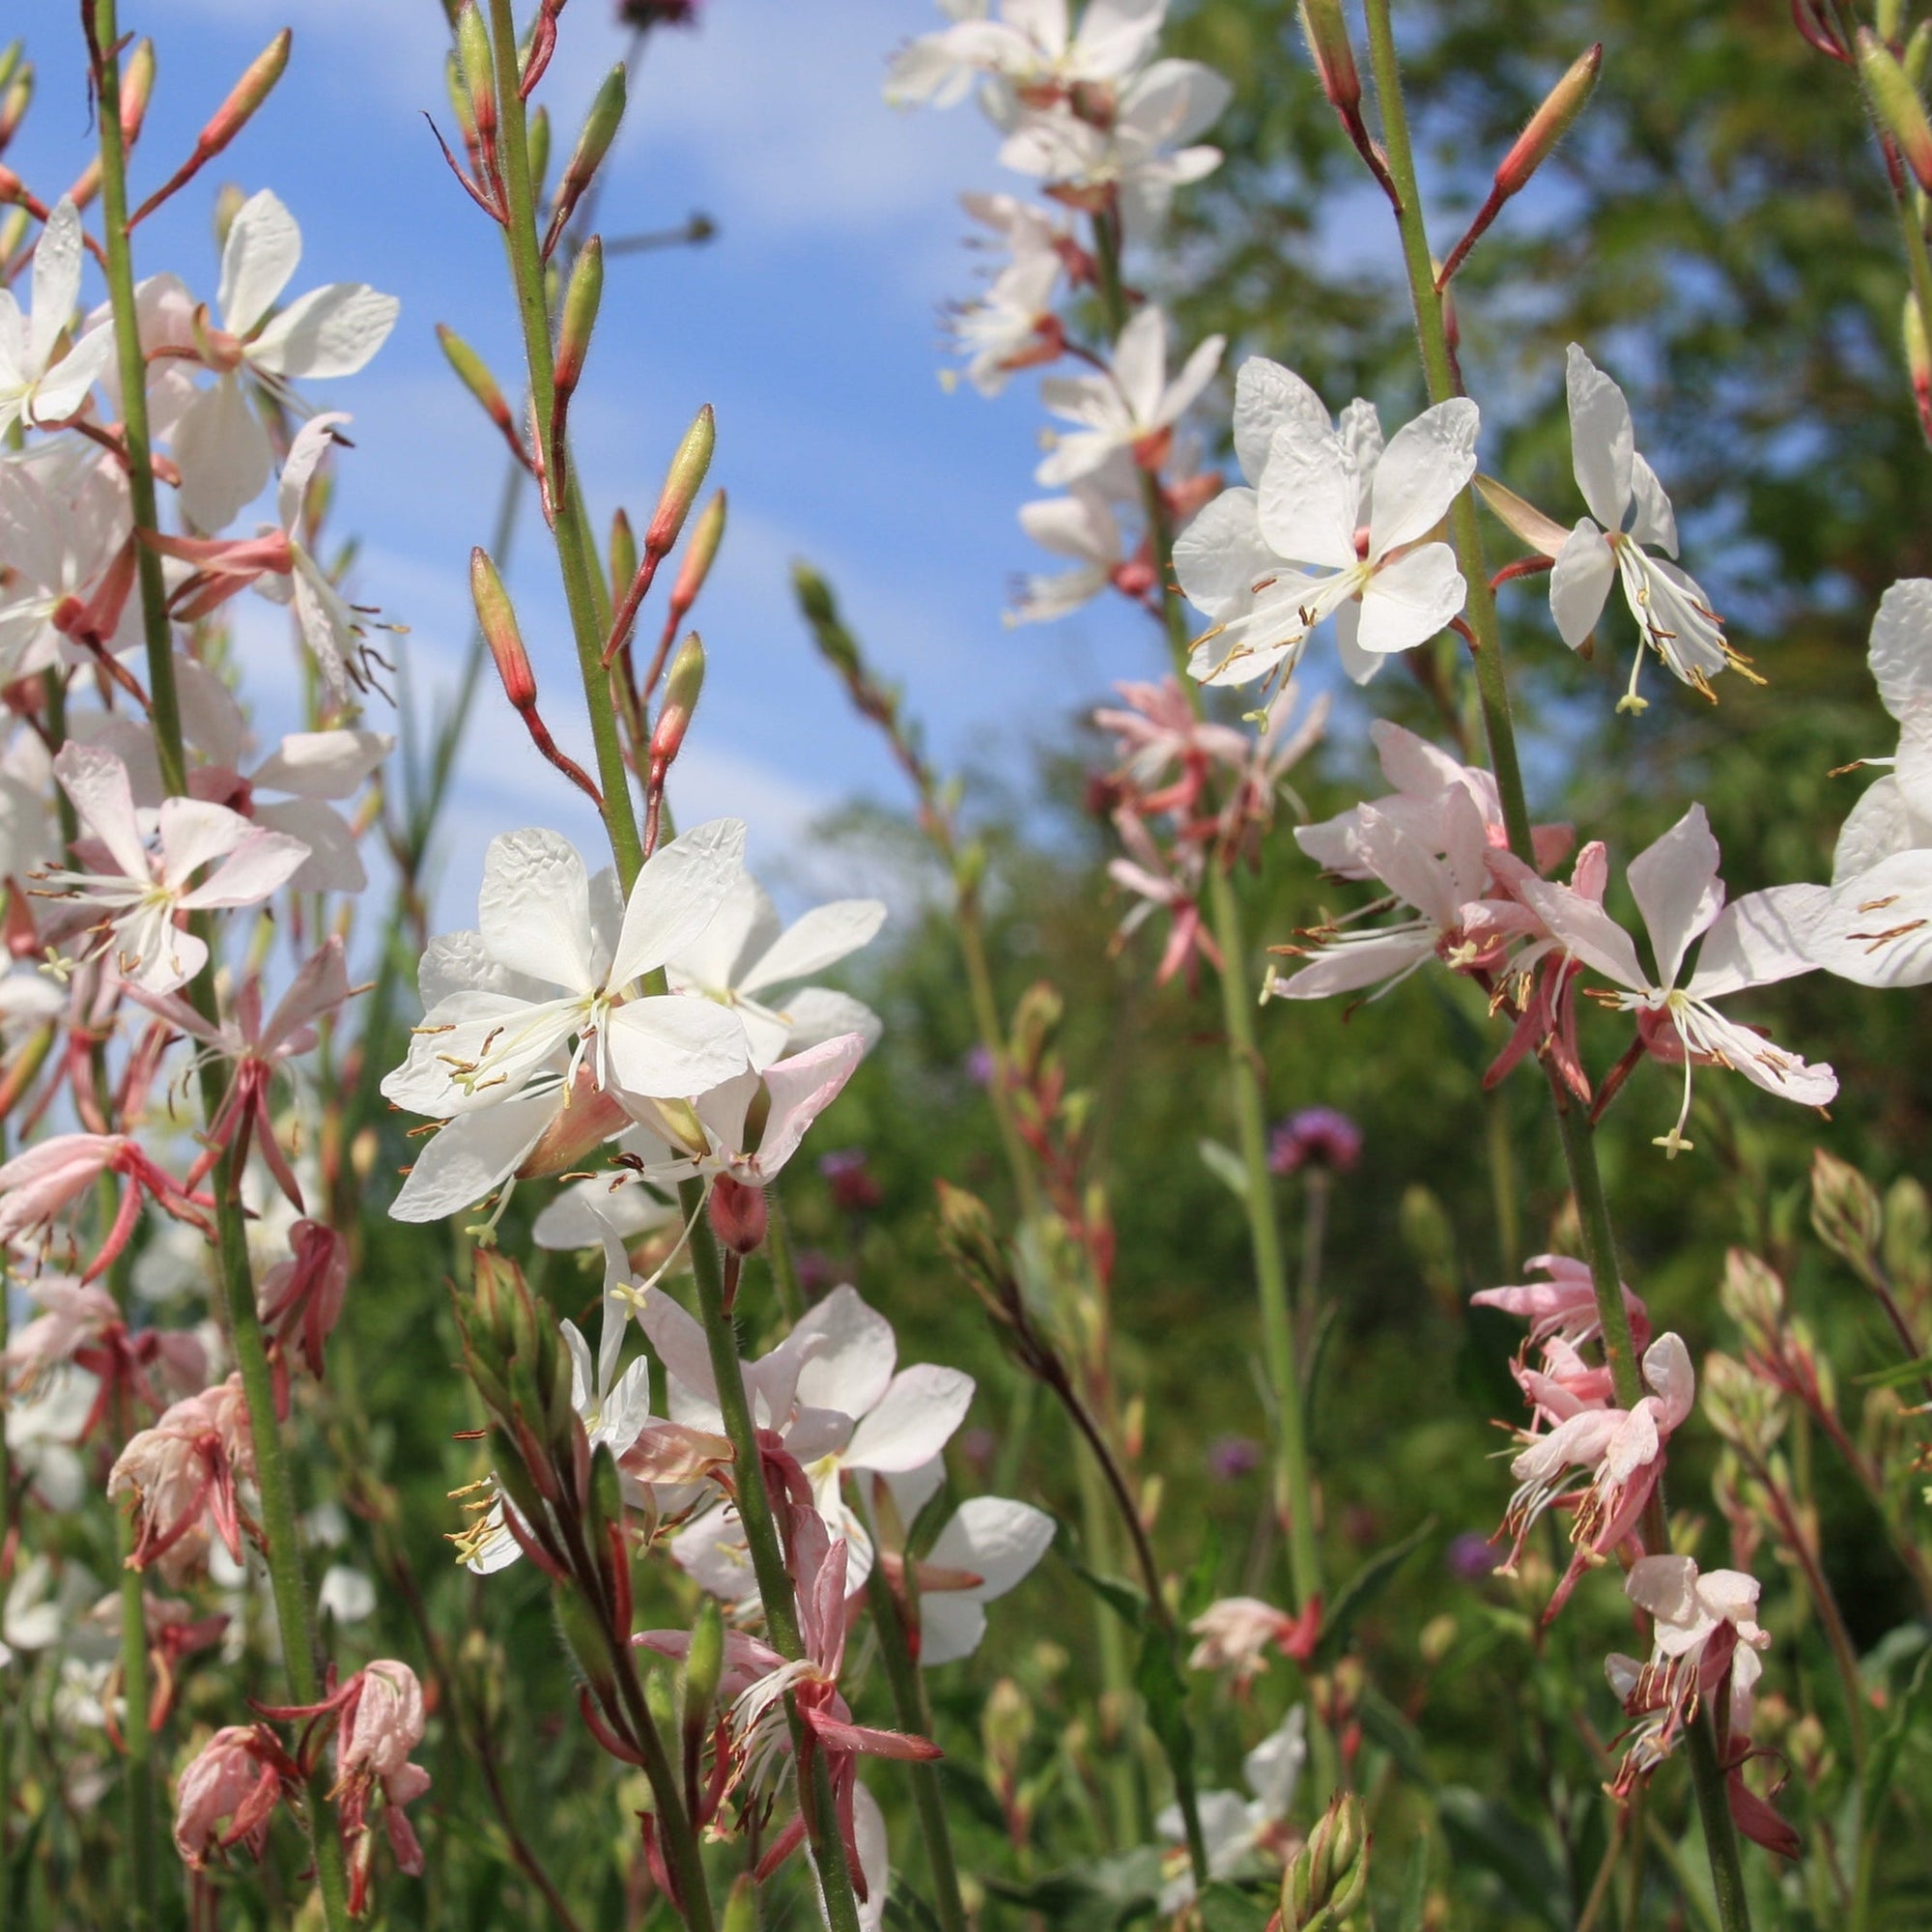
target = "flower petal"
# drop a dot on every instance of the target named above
(676, 896)
(1677, 890)
(1602, 442)
(533, 909)
(1427, 463)
(1585, 568)
(263, 247)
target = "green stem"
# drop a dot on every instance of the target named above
(910, 1706)
(768, 1563)
(576, 555)
(1503, 1196)
(284, 1543)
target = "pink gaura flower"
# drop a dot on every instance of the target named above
(38, 1186)
(1565, 1305)
(1237, 1632)
(184, 1474)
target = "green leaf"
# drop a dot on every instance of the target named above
(1231, 1908)
(1119, 1596)
(1157, 1678)
(1899, 1375)
(1384, 1725)
(1096, 1896)
(1197, 1588)
(1226, 1166)
(1410, 1913)
(1515, 1850)
(1363, 1588)
(1882, 1763)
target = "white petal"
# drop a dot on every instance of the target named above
(1653, 522)
(1677, 890)
(802, 1087)
(850, 1355)
(1876, 928)
(333, 864)
(1221, 556)
(818, 1014)
(323, 764)
(913, 1421)
(263, 247)
(329, 331)
(825, 934)
(951, 1626)
(1426, 464)
(194, 833)
(1140, 365)
(474, 1154)
(1410, 601)
(97, 782)
(669, 1048)
(310, 444)
(56, 281)
(1196, 372)
(223, 453)
(1267, 395)
(1306, 498)
(1583, 929)
(1757, 940)
(1585, 569)
(1901, 646)
(999, 1541)
(1602, 442)
(533, 909)
(262, 864)
(1347, 969)
(676, 896)
(1762, 1062)
(1877, 826)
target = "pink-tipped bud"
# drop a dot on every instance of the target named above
(682, 686)
(12, 57)
(474, 376)
(738, 1215)
(458, 90)
(1328, 34)
(599, 130)
(498, 621)
(478, 72)
(1896, 102)
(15, 102)
(245, 96)
(705, 537)
(1550, 121)
(1919, 363)
(580, 300)
(137, 89)
(682, 483)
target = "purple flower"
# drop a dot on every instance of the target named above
(979, 1066)
(850, 1180)
(1232, 1456)
(1471, 1557)
(1315, 1137)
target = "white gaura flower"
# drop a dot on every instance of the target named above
(544, 991)
(1031, 48)
(1242, 1832)
(1334, 523)
(1746, 944)
(37, 384)
(744, 960)
(1622, 489)
(1130, 407)
(1081, 526)
(1131, 150)
(63, 532)
(1873, 923)
(831, 1393)
(140, 891)
(220, 441)
(988, 1547)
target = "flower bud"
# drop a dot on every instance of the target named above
(682, 483)
(474, 375)
(1747, 1412)
(536, 139)
(682, 685)
(228, 203)
(11, 57)
(1328, 34)
(704, 1667)
(247, 94)
(458, 91)
(1896, 102)
(623, 555)
(599, 130)
(580, 300)
(1328, 1875)
(1888, 17)
(1919, 363)
(478, 73)
(1006, 1727)
(1430, 1237)
(498, 622)
(1916, 50)
(1908, 1235)
(699, 556)
(1751, 1293)
(588, 1645)
(741, 1905)
(1845, 1211)
(737, 1214)
(658, 1699)
(15, 102)
(1550, 121)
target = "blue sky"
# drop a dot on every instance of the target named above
(813, 325)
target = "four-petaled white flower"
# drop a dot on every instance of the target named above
(1081, 525)
(220, 441)
(1240, 1832)
(141, 892)
(1748, 943)
(37, 384)
(545, 989)
(1332, 522)
(1131, 406)
(1671, 609)
(1031, 47)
